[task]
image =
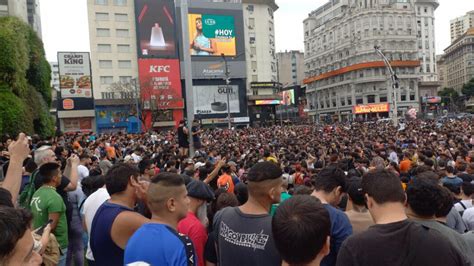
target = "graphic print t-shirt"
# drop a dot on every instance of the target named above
(244, 239)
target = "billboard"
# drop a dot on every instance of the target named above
(160, 84)
(212, 99)
(74, 75)
(212, 35)
(371, 108)
(156, 28)
(288, 97)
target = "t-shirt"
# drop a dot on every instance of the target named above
(455, 221)
(156, 244)
(463, 205)
(91, 205)
(284, 196)
(341, 229)
(244, 239)
(360, 221)
(195, 230)
(454, 237)
(455, 181)
(399, 243)
(45, 201)
(225, 181)
(82, 171)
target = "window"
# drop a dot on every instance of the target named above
(125, 64)
(105, 63)
(104, 48)
(121, 17)
(102, 2)
(383, 99)
(108, 95)
(250, 8)
(370, 98)
(122, 33)
(251, 23)
(123, 48)
(412, 97)
(294, 77)
(102, 16)
(106, 80)
(359, 101)
(103, 32)
(349, 101)
(404, 97)
(120, 2)
(125, 79)
(254, 64)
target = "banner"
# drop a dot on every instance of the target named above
(160, 84)
(77, 124)
(156, 28)
(211, 35)
(371, 108)
(288, 97)
(212, 99)
(74, 75)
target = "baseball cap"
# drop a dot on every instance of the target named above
(200, 190)
(264, 171)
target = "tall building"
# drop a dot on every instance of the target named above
(290, 68)
(54, 86)
(34, 16)
(261, 59)
(442, 71)
(461, 24)
(346, 79)
(15, 8)
(459, 61)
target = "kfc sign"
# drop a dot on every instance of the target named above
(158, 69)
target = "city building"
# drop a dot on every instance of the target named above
(114, 64)
(15, 8)
(346, 79)
(459, 61)
(442, 71)
(34, 15)
(261, 60)
(290, 68)
(461, 24)
(54, 87)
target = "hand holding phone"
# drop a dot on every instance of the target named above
(40, 230)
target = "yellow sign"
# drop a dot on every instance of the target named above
(371, 108)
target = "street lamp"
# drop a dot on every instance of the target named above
(136, 87)
(395, 84)
(227, 82)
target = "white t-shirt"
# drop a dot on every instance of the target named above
(136, 158)
(468, 218)
(91, 205)
(82, 171)
(460, 208)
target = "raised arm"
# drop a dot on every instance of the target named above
(19, 151)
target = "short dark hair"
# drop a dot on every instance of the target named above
(354, 189)
(144, 164)
(383, 186)
(241, 192)
(5, 198)
(450, 169)
(48, 171)
(14, 223)
(467, 188)
(264, 171)
(118, 176)
(226, 200)
(168, 179)
(300, 226)
(446, 202)
(423, 196)
(329, 178)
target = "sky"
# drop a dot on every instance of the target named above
(65, 26)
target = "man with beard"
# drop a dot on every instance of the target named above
(194, 225)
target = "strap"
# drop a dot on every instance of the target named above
(462, 204)
(188, 246)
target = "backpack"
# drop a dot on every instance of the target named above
(28, 191)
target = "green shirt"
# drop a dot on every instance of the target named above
(45, 201)
(284, 196)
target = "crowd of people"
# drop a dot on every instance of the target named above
(339, 194)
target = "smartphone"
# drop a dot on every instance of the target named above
(41, 229)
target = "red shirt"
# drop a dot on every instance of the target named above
(195, 230)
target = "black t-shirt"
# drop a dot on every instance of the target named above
(400, 243)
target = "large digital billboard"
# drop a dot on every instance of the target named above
(212, 99)
(212, 35)
(288, 97)
(156, 28)
(160, 84)
(74, 75)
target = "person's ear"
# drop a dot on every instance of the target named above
(326, 247)
(171, 205)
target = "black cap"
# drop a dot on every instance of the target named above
(200, 190)
(264, 171)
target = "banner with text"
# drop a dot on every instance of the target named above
(371, 108)
(211, 35)
(212, 99)
(160, 84)
(74, 75)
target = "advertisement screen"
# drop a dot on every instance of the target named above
(211, 35)
(288, 97)
(156, 28)
(212, 99)
(371, 108)
(74, 75)
(160, 83)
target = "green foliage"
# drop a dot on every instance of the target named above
(14, 114)
(449, 94)
(25, 76)
(468, 88)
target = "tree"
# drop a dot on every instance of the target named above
(25, 78)
(468, 88)
(451, 98)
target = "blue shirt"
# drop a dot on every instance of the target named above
(455, 181)
(156, 244)
(341, 229)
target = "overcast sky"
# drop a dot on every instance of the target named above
(65, 27)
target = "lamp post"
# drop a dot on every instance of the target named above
(395, 85)
(227, 82)
(136, 87)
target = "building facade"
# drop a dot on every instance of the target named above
(442, 71)
(15, 8)
(290, 68)
(54, 87)
(345, 77)
(34, 15)
(459, 61)
(461, 24)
